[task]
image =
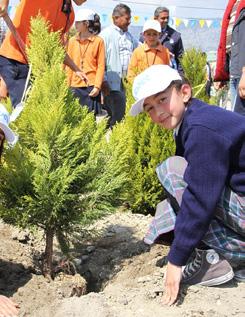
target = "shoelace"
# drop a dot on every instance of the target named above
(192, 267)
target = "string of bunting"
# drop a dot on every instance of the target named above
(174, 21)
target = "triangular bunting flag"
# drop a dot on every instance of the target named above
(202, 23)
(209, 22)
(186, 22)
(136, 18)
(177, 22)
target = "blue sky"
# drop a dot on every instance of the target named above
(196, 9)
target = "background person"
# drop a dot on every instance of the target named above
(151, 52)
(87, 50)
(204, 182)
(119, 45)
(13, 65)
(230, 56)
(169, 37)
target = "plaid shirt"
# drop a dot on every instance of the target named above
(126, 47)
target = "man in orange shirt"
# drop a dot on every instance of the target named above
(151, 52)
(13, 64)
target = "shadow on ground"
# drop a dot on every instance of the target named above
(12, 277)
(104, 256)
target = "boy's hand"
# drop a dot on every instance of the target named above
(172, 282)
(94, 92)
(82, 76)
(7, 307)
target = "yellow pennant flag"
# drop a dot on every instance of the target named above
(136, 18)
(177, 21)
(202, 23)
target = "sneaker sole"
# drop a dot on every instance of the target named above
(218, 280)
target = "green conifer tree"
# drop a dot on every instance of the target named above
(194, 66)
(62, 172)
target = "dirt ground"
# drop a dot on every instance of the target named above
(122, 276)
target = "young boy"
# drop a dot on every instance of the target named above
(151, 52)
(13, 64)
(204, 182)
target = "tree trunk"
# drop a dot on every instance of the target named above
(48, 255)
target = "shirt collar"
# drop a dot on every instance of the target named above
(159, 47)
(90, 38)
(118, 29)
(176, 130)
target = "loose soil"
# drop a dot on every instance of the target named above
(117, 275)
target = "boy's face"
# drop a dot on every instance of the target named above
(81, 26)
(167, 107)
(151, 37)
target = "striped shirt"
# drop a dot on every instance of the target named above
(126, 47)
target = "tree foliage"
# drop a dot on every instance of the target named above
(62, 171)
(194, 66)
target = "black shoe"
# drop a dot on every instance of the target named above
(207, 268)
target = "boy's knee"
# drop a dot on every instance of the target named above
(173, 165)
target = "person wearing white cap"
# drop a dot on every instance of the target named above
(204, 183)
(87, 50)
(13, 63)
(151, 52)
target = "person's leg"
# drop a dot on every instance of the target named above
(82, 94)
(239, 105)
(116, 105)
(14, 74)
(3, 90)
(206, 266)
(226, 233)
(233, 91)
(170, 173)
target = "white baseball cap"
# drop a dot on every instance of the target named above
(152, 25)
(151, 81)
(10, 136)
(84, 15)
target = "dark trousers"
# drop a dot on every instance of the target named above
(115, 105)
(14, 74)
(240, 105)
(93, 103)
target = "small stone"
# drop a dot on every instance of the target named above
(84, 258)
(90, 249)
(77, 262)
(144, 279)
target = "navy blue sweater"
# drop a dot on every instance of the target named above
(212, 140)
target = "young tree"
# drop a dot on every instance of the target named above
(194, 66)
(62, 172)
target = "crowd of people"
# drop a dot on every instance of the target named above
(205, 181)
